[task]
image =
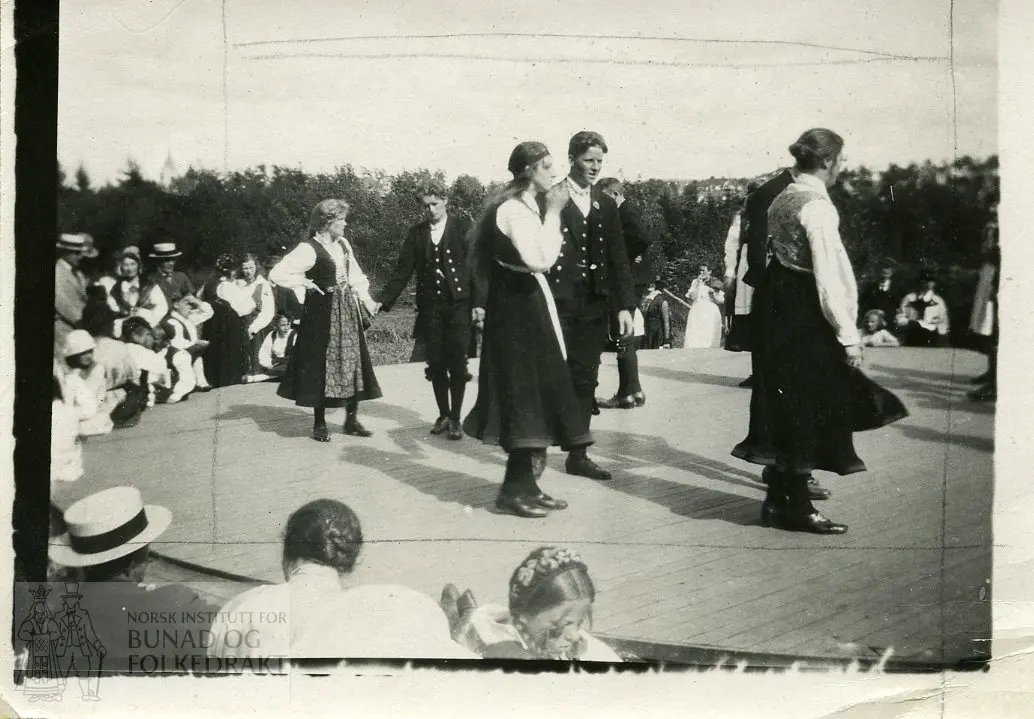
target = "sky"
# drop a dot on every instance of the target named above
(316, 84)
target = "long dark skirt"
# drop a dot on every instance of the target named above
(330, 362)
(227, 356)
(525, 396)
(805, 389)
(739, 337)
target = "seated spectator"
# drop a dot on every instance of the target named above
(875, 332)
(132, 297)
(275, 350)
(549, 617)
(188, 313)
(108, 542)
(138, 336)
(323, 618)
(125, 397)
(66, 453)
(179, 380)
(923, 315)
(84, 384)
(882, 294)
(173, 283)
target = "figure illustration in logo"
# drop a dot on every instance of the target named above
(78, 647)
(43, 678)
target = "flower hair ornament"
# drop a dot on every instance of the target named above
(541, 566)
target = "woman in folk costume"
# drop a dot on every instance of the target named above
(525, 401)
(225, 360)
(330, 365)
(805, 313)
(131, 296)
(258, 322)
(656, 312)
(704, 323)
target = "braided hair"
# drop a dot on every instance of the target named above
(325, 532)
(547, 577)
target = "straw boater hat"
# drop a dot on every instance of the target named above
(164, 251)
(72, 243)
(106, 526)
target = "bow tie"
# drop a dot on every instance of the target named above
(133, 284)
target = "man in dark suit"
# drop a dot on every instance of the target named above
(437, 251)
(590, 280)
(758, 443)
(882, 294)
(637, 242)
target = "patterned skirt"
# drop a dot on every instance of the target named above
(330, 362)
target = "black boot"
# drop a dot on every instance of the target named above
(578, 463)
(800, 514)
(352, 425)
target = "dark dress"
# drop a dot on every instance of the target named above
(227, 356)
(525, 396)
(331, 361)
(809, 399)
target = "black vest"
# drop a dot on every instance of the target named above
(324, 270)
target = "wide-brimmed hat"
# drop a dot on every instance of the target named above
(164, 251)
(106, 526)
(72, 243)
(77, 342)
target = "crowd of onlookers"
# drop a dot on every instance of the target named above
(126, 340)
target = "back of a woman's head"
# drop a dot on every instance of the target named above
(815, 147)
(325, 532)
(547, 578)
(98, 318)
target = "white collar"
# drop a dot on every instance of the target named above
(577, 189)
(803, 178)
(135, 282)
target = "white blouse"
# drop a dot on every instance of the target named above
(834, 275)
(537, 241)
(290, 271)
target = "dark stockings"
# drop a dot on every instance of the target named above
(519, 480)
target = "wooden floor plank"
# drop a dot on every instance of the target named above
(674, 541)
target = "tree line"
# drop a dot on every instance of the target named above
(915, 217)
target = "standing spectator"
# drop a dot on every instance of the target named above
(257, 322)
(657, 316)
(984, 320)
(704, 322)
(637, 241)
(226, 357)
(738, 294)
(174, 284)
(69, 288)
(923, 315)
(330, 365)
(132, 297)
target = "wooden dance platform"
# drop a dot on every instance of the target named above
(673, 542)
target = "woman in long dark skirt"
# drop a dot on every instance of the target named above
(226, 357)
(330, 365)
(526, 402)
(806, 308)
